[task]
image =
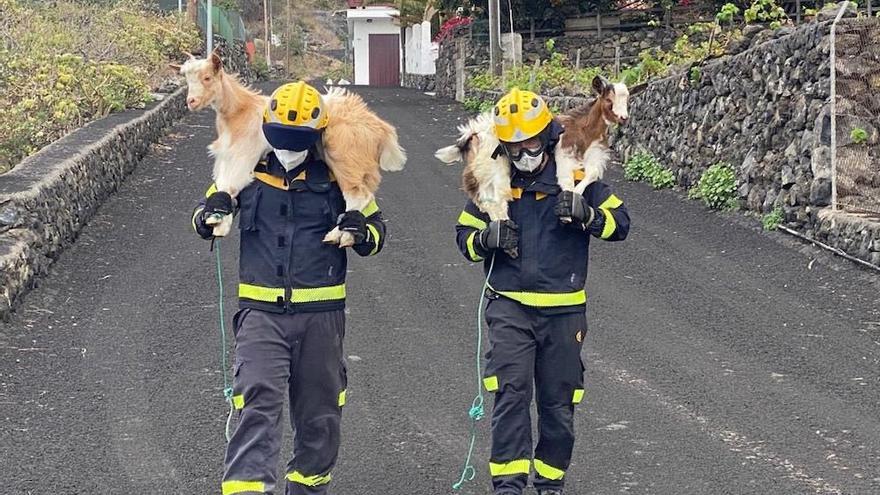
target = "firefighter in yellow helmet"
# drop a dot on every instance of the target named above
(536, 309)
(290, 326)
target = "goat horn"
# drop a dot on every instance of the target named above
(190, 55)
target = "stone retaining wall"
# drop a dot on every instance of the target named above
(766, 112)
(49, 197)
(764, 108)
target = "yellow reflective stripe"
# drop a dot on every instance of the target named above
(195, 214)
(546, 299)
(274, 181)
(315, 480)
(611, 203)
(539, 196)
(211, 190)
(370, 208)
(469, 220)
(318, 294)
(578, 396)
(470, 247)
(375, 233)
(610, 224)
(232, 487)
(520, 466)
(491, 383)
(257, 293)
(547, 471)
(579, 174)
(341, 400)
(238, 401)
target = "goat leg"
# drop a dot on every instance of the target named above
(355, 199)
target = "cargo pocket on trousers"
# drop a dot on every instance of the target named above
(578, 393)
(343, 371)
(237, 393)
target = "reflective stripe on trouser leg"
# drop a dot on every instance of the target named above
(510, 372)
(261, 371)
(560, 381)
(319, 378)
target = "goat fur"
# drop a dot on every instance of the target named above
(357, 144)
(584, 146)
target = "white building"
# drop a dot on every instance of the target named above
(375, 45)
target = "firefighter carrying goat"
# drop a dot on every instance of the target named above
(536, 264)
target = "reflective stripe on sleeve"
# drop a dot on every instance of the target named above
(469, 220)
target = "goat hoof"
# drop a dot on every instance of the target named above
(333, 237)
(512, 252)
(214, 219)
(346, 239)
(565, 219)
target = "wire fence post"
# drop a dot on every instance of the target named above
(833, 69)
(209, 27)
(617, 61)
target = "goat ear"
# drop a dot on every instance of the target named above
(638, 88)
(600, 85)
(216, 63)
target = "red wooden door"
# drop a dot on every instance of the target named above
(384, 60)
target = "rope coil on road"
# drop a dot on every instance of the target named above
(476, 412)
(227, 390)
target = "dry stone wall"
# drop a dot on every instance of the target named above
(766, 112)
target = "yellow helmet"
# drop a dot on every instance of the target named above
(520, 115)
(294, 117)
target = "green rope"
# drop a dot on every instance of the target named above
(227, 390)
(476, 411)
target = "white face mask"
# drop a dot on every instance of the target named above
(529, 163)
(291, 159)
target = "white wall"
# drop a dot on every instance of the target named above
(421, 53)
(361, 44)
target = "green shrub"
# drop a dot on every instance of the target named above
(858, 135)
(764, 11)
(636, 168)
(477, 105)
(716, 187)
(485, 81)
(772, 220)
(67, 63)
(643, 166)
(727, 13)
(695, 75)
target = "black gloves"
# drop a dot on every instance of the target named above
(355, 223)
(219, 203)
(571, 207)
(500, 234)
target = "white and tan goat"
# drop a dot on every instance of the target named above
(583, 146)
(356, 142)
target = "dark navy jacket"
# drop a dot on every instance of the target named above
(551, 270)
(284, 267)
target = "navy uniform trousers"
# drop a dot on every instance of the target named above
(278, 355)
(532, 352)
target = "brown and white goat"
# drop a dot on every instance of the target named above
(356, 142)
(583, 146)
(240, 143)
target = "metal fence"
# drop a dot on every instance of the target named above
(226, 23)
(855, 115)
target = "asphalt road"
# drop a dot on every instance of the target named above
(721, 359)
